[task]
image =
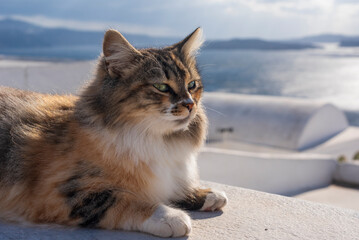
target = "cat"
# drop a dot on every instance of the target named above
(121, 155)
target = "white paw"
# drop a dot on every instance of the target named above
(167, 222)
(214, 201)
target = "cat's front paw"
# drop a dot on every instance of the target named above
(215, 200)
(167, 222)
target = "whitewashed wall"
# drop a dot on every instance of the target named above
(286, 174)
(289, 123)
(46, 77)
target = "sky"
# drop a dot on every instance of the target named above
(220, 19)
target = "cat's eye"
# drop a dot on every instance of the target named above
(191, 85)
(162, 87)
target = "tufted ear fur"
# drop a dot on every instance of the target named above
(118, 52)
(191, 44)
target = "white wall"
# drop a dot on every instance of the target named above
(274, 121)
(285, 174)
(46, 77)
(347, 173)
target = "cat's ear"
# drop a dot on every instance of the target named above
(118, 52)
(190, 46)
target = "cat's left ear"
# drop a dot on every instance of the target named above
(118, 52)
(190, 46)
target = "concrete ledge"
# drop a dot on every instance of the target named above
(249, 215)
(342, 195)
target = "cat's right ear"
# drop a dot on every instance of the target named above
(189, 46)
(118, 52)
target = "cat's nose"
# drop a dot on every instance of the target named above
(188, 103)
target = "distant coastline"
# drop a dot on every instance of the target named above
(257, 44)
(26, 40)
(353, 42)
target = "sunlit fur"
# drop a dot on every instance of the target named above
(110, 157)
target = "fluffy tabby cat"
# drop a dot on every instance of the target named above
(119, 156)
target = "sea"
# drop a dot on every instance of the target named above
(329, 73)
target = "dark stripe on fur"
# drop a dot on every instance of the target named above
(93, 208)
(166, 65)
(193, 201)
(11, 164)
(72, 187)
(90, 207)
(181, 72)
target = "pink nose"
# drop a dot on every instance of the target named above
(188, 103)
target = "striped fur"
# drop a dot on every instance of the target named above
(115, 156)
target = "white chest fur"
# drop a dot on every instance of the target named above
(173, 163)
(175, 171)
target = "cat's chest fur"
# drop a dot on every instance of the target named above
(172, 163)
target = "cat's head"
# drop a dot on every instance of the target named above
(158, 88)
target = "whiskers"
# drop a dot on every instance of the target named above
(214, 110)
(204, 66)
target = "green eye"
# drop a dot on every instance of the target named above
(161, 87)
(191, 85)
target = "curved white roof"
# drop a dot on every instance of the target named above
(274, 121)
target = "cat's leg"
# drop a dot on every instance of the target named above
(110, 210)
(202, 200)
(159, 220)
(167, 222)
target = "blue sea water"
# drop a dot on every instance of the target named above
(330, 74)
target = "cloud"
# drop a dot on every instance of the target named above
(273, 19)
(94, 25)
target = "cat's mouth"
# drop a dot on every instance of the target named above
(180, 121)
(183, 120)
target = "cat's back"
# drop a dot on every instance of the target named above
(16, 103)
(11, 96)
(24, 117)
(22, 112)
